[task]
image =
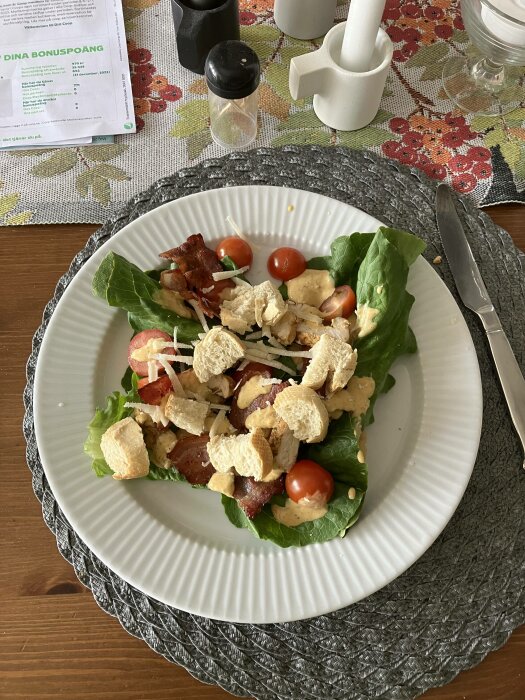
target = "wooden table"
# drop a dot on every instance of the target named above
(55, 641)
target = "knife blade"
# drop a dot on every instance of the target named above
(474, 295)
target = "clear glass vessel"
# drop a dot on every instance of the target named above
(490, 78)
(233, 123)
(232, 74)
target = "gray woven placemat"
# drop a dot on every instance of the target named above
(463, 597)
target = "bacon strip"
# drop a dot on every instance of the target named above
(237, 416)
(154, 392)
(252, 495)
(190, 458)
(197, 262)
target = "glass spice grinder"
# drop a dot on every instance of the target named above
(232, 74)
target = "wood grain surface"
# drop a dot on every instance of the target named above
(54, 640)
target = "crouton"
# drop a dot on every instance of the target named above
(285, 329)
(303, 411)
(312, 287)
(186, 413)
(270, 306)
(222, 483)
(238, 311)
(221, 386)
(124, 449)
(355, 398)
(218, 425)
(309, 332)
(194, 388)
(163, 445)
(216, 352)
(249, 455)
(333, 362)
(284, 444)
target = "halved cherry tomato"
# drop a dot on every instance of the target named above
(139, 341)
(307, 479)
(236, 249)
(286, 263)
(341, 303)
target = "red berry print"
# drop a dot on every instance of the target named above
(482, 170)
(460, 164)
(399, 125)
(464, 183)
(479, 153)
(139, 56)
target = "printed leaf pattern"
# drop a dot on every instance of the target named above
(8, 214)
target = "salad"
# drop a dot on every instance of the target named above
(261, 393)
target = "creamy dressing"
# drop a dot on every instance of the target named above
(262, 418)
(251, 390)
(293, 514)
(365, 320)
(312, 287)
(173, 301)
(379, 289)
(355, 398)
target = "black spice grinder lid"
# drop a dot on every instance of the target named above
(232, 70)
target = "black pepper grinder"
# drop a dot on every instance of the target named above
(199, 25)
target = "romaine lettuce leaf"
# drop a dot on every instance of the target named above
(338, 453)
(101, 421)
(124, 285)
(341, 515)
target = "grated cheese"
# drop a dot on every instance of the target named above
(237, 230)
(175, 381)
(242, 366)
(241, 283)
(185, 359)
(254, 336)
(153, 372)
(322, 330)
(266, 381)
(195, 306)
(217, 421)
(207, 290)
(156, 412)
(269, 350)
(270, 363)
(227, 274)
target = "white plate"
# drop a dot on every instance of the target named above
(175, 543)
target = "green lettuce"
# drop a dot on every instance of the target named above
(122, 284)
(106, 417)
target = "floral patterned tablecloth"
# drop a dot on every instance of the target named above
(481, 157)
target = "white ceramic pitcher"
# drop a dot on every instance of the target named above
(304, 19)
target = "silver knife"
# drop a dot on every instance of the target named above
(474, 295)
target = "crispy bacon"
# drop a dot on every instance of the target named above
(237, 416)
(190, 458)
(196, 262)
(174, 280)
(252, 495)
(154, 392)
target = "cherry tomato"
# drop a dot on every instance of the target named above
(236, 249)
(341, 303)
(286, 263)
(139, 341)
(307, 479)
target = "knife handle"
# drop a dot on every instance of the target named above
(509, 372)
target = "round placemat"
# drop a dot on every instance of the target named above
(463, 597)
